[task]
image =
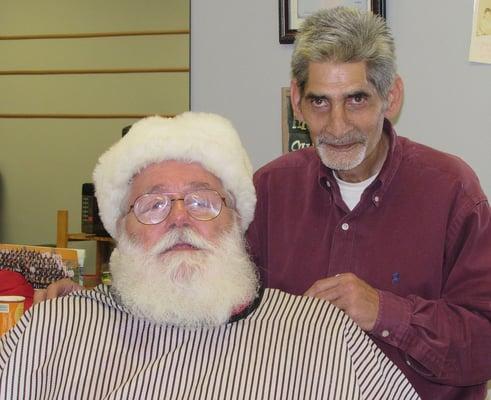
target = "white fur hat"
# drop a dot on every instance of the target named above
(208, 139)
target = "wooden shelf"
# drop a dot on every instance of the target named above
(104, 244)
(80, 237)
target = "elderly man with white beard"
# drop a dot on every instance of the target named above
(185, 317)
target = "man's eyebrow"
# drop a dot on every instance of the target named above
(191, 185)
(360, 92)
(314, 96)
(349, 95)
(199, 185)
(157, 189)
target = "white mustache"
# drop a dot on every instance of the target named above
(180, 236)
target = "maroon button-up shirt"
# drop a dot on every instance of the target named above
(421, 235)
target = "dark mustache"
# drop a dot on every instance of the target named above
(349, 138)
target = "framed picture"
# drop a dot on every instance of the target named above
(295, 133)
(293, 12)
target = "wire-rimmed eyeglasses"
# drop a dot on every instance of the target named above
(202, 205)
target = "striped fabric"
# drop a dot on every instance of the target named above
(87, 346)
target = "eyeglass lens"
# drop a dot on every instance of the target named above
(153, 208)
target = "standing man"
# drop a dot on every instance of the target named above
(395, 233)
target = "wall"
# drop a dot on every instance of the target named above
(447, 102)
(238, 68)
(44, 161)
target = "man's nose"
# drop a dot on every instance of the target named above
(178, 215)
(338, 121)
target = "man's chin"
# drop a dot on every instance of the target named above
(341, 160)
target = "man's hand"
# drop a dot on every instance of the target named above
(57, 289)
(352, 295)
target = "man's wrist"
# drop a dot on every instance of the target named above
(393, 318)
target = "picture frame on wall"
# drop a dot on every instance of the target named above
(295, 134)
(293, 12)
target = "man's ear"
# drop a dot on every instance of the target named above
(394, 99)
(295, 98)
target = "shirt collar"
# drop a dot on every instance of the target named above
(394, 156)
(246, 311)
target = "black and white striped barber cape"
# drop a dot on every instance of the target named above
(88, 346)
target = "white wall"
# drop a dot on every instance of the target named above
(238, 68)
(447, 101)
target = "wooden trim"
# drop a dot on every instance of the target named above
(81, 116)
(62, 228)
(83, 237)
(93, 71)
(94, 34)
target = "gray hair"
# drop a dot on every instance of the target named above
(343, 34)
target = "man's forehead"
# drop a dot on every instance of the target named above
(341, 78)
(338, 72)
(195, 185)
(173, 168)
(173, 176)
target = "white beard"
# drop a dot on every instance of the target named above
(186, 288)
(339, 160)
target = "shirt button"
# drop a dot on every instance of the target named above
(376, 199)
(345, 226)
(408, 363)
(328, 184)
(385, 333)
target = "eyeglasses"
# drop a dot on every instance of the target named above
(153, 208)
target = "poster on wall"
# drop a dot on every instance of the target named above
(480, 49)
(296, 135)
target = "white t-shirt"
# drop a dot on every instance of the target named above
(351, 192)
